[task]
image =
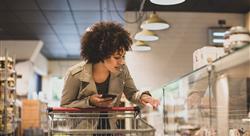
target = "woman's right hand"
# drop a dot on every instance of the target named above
(97, 100)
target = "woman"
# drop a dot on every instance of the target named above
(103, 71)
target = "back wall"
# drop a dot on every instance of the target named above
(171, 55)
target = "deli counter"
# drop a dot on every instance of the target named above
(213, 100)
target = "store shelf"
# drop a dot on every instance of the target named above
(236, 58)
(7, 96)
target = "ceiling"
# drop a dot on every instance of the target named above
(60, 23)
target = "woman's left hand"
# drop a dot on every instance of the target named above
(148, 99)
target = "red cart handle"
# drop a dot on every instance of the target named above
(92, 109)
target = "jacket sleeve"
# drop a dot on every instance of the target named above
(130, 90)
(70, 93)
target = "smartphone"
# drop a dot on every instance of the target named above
(109, 96)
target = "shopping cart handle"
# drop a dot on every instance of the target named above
(92, 109)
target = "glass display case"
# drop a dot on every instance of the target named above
(211, 101)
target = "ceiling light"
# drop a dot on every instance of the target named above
(167, 2)
(218, 41)
(140, 46)
(219, 34)
(154, 23)
(146, 35)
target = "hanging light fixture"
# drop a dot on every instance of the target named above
(167, 2)
(146, 35)
(140, 46)
(155, 23)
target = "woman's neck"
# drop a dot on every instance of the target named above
(100, 72)
(100, 68)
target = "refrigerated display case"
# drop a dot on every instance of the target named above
(213, 100)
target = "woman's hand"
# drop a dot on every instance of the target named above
(97, 100)
(148, 99)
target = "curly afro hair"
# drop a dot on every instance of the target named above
(102, 40)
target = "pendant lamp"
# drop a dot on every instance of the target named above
(146, 35)
(167, 2)
(140, 46)
(154, 22)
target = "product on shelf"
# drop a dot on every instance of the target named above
(237, 132)
(2, 62)
(205, 102)
(205, 132)
(187, 129)
(11, 82)
(194, 99)
(10, 63)
(235, 38)
(247, 133)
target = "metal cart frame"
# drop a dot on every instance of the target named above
(74, 121)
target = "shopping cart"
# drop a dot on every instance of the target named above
(123, 121)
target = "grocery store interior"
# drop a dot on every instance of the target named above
(191, 55)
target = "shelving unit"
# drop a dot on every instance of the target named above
(8, 112)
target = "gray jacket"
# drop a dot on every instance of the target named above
(79, 86)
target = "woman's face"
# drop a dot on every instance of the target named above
(114, 63)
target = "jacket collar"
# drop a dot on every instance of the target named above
(86, 74)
